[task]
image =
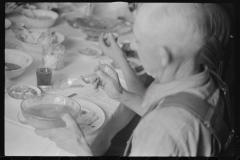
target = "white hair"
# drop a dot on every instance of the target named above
(184, 25)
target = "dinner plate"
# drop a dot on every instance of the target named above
(90, 124)
(7, 23)
(37, 91)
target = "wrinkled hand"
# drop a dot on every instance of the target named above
(108, 80)
(113, 51)
(10, 6)
(69, 138)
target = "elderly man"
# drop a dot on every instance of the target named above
(168, 39)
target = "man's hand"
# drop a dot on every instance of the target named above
(69, 138)
(113, 51)
(107, 78)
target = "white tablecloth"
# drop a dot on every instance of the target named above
(20, 140)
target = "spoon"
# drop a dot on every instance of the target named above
(72, 95)
(66, 82)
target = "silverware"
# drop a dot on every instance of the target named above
(72, 95)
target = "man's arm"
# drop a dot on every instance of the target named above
(133, 82)
(132, 101)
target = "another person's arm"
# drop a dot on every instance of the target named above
(10, 6)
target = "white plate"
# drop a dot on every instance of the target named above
(29, 86)
(7, 23)
(80, 44)
(85, 106)
(90, 107)
(87, 45)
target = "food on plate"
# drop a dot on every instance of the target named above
(37, 37)
(87, 118)
(22, 92)
(11, 66)
(88, 22)
(93, 23)
(88, 51)
(49, 110)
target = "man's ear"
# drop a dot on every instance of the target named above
(164, 56)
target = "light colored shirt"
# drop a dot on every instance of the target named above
(173, 131)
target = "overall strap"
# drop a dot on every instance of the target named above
(208, 114)
(203, 111)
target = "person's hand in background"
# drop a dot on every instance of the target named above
(10, 6)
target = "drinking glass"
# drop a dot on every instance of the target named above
(44, 75)
(53, 55)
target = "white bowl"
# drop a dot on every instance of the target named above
(17, 57)
(37, 48)
(39, 23)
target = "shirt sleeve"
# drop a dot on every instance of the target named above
(170, 131)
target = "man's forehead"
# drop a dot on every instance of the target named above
(141, 24)
(150, 15)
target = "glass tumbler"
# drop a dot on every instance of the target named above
(52, 55)
(44, 75)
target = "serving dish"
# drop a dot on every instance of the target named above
(35, 18)
(93, 26)
(38, 39)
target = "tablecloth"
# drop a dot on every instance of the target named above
(20, 140)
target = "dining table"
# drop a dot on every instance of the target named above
(20, 139)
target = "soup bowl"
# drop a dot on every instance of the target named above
(32, 18)
(44, 111)
(19, 58)
(37, 48)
